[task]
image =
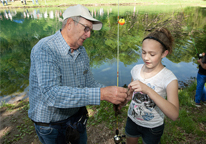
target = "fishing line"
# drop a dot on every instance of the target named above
(194, 45)
(192, 37)
(182, 9)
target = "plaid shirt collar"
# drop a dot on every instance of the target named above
(65, 48)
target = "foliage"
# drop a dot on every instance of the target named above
(16, 43)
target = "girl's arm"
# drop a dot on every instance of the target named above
(169, 107)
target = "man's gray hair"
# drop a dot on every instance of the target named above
(76, 18)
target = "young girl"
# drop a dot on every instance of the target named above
(152, 83)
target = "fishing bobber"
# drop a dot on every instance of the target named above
(121, 21)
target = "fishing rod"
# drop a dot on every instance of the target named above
(194, 45)
(198, 55)
(117, 137)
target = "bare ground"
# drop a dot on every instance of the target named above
(17, 128)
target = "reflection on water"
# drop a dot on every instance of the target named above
(21, 30)
(183, 71)
(34, 14)
(44, 13)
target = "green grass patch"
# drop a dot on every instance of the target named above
(188, 128)
(191, 121)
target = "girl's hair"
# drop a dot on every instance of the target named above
(164, 37)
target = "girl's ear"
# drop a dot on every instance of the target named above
(165, 53)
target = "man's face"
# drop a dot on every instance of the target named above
(79, 32)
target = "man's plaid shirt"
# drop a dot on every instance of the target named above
(60, 81)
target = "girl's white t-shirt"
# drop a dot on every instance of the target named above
(142, 110)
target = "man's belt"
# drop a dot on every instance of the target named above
(47, 124)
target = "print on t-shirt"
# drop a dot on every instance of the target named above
(141, 106)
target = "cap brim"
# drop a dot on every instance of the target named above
(97, 25)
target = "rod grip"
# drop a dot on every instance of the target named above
(117, 132)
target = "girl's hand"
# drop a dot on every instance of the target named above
(138, 86)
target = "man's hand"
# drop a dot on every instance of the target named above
(129, 97)
(114, 94)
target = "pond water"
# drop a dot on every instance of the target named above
(21, 29)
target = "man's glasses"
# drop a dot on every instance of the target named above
(86, 28)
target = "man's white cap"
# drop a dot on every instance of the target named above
(79, 10)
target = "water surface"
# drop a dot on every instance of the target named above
(21, 29)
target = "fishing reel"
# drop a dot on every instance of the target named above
(118, 138)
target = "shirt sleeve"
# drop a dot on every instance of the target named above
(135, 70)
(169, 77)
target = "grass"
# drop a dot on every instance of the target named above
(51, 3)
(191, 119)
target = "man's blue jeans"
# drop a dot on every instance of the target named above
(200, 89)
(49, 135)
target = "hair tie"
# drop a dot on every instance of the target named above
(150, 37)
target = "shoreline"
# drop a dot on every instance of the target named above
(66, 5)
(94, 4)
(15, 97)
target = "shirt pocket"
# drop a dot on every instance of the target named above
(82, 71)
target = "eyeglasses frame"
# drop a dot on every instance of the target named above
(85, 27)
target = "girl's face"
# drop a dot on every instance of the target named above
(152, 53)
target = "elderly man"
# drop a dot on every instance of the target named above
(61, 82)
